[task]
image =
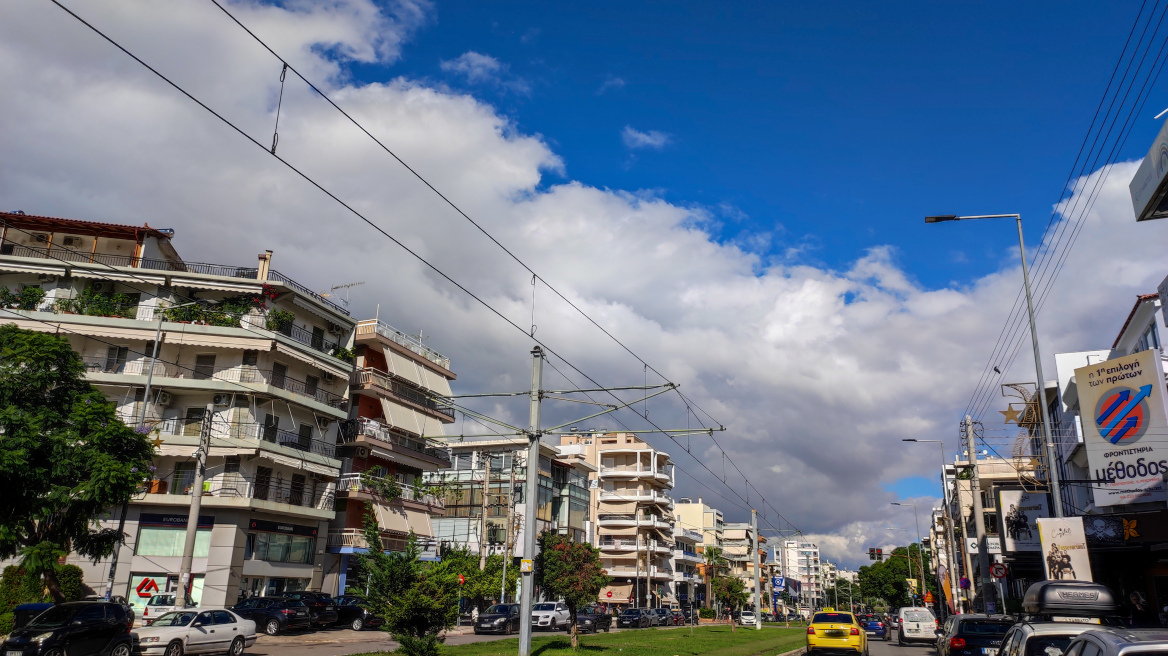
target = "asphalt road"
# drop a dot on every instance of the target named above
(880, 648)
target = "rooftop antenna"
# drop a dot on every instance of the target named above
(347, 286)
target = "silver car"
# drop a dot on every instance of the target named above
(197, 631)
(1119, 642)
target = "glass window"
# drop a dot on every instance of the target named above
(169, 541)
(1047, 645)
(832, 618)
(980, 627)
(223, 617)
(94, 613)
(205, 618)
(278, 547)
(178, 618)
(1089, 649)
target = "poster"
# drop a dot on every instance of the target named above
(993, 545)
(1064, 549)
(1122, 402)
(1019, 512)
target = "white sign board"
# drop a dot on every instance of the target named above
(993, 545)
(1064, 549)
(1019, 510)
(1122, 400)
(1146, 183)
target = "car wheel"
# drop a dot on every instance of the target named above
(900, 639)
(271, 628)
(236, 647)
(120, 649)
(358, 624)
(175, 648)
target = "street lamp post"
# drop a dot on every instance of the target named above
(946, 518)
(1040, 384)
(920, 556)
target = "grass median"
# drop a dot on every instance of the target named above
(649, 642)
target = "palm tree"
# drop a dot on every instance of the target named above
(714, 561)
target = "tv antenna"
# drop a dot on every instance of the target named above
(347, 286)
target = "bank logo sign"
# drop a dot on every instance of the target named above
(1126, 398)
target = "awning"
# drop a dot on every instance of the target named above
(435, 382)
(282, 460)
(201, 283)
(107, 274)
(183, 338)
(617, 507)
(402, 366)
(618, 593)
(391, 519)
(419, 522)
(16, 267)
(112, 332)
(320, 361)
(408, 419)
(623, 530)
(667, 597)
(28, 324)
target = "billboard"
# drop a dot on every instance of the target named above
(1019, 511)
(1064, 549)
(1147, 188)
(1122, 401)
(993, 545)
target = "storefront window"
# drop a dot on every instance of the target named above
(279, 548)
(169, 541)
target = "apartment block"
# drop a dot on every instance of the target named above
(737, 544)
(709, 523)
(800, 561)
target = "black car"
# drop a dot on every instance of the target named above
(81, 628)
(971, 635)
(352, 613)
(592, 619)
(634, 618)
(322, 607)
(500, 618)
(274, 615)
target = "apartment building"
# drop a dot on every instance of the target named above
(737, 542)
(633, 514)
(686, 563)
(800, 561)
(247, 355)
(396, 421)
(709, 522)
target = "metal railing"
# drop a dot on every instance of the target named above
(355, 482)
(408, 341)
(354, 538)
(249, 431)
(307, 338)
(351, 428)
(288, 282)
(620, 543)
(386, 381)
(310, 493)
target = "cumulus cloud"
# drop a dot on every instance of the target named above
(478, 68)
(817, 373)
(636, 139)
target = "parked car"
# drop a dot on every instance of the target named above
(500, 618)
(973, 635)
(321, 606)
(679, 618)
(80, 628)
(592, 619)
(916, 624)
(747, 618)
(116, 599)
(351, 612)
(1119, 641)
(1055, 612)
(24, 613)
(661, 617)
(274, 615)
(197, 631)
(633, 618)
(551, 616)
(158, 605)
(875, 626)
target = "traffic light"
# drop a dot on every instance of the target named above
(880, 555)
(871, 553)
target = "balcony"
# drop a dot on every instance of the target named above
(312, 340)
(640, 496)
(687, 556)
(625, 544)
(355, 482)
(624, 520)
(654, 571)
(404, 391)
(429, 457)
(279, 379)
(684, 577)
(353, 539)
(371, 327)
(249, 431)
(302, 493)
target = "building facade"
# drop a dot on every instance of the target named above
(709, 522)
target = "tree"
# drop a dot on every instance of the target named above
(714, 562)
(888, 579)
(570, 571)
(64, 456)
(480, 586)
(731, 592)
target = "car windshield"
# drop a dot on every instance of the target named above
(177, 618)
(544, 607)
(984, 627)
(918, 616)
(54, 617)
(1048, 645)
(161, 600)
(748, 613)
(632, 612)
(832, 618)
(349, 601)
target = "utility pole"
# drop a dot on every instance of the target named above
(754, 560)
(184, 572)
(507, 546)
(983, 557)
(486, 456)
(531, 499)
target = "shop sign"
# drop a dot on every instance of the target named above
(1064, 549)
(281, 527)
(993, 545)
(1125, 399)
(1020, 511)
(151, 519)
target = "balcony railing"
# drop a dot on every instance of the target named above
(652, 496)
(306, 494)
(165, 265)
(645, 545)
(354, 538)
(355, 482)
(249, 431)
(638, 518)
(308, 338)
(371, 428)
(408, 341)
(371, 376)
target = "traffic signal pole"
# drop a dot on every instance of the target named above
(531, 500)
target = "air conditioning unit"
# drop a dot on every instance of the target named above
(222, 399)
(40, 237)
(327, 376)
(164, 398)
(334, 329)
(98, 286)
(71, 241)
(361, 452)
(46, 277)
(322, 423)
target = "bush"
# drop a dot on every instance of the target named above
(72, 582)
(28, 298)
(100, 304)
(16, 588)
(280, 320)
(6, 622)
(706, 613)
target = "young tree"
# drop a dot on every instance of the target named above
(480, 586)
(570, 571)
(731, 592)
(65, 457)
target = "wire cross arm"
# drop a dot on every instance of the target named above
(611, 389)
(667, 388)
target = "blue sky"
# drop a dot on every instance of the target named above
(827, 128)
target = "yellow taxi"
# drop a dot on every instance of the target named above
(832, 631)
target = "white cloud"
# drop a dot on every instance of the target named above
(611, 83)
(636, 139)
(817, 373)
(478, 68)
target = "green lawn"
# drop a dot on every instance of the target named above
(651, 642)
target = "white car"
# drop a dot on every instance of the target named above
(157, 606)
(197, 631)
(747, 618)
(550, 616)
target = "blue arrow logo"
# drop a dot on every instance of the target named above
(1119, 418)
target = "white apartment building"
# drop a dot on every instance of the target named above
(271, 387)
(686, 563)
(737, 541)
(800, 561)
(709, 522)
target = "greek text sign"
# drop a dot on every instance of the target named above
(1122, 400)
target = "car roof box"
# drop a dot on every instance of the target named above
(1070, 598)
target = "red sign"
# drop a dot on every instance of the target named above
(998, 570)
(610, 594)
(461, 579)
(147, 588)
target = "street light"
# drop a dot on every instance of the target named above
(1040, 384)
(948, 520)
(920, 556)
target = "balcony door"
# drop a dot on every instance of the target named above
(263, 482)
(205, 366)
(296, 490)
(271, 426)
(115, 359)
(193, 422)
(279, 374)
(304, 437)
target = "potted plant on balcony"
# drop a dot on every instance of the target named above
(343, 353)
(280, 320)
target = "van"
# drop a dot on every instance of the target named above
(916, 624)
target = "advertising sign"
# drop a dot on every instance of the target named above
(1122, 400)
(1064, 549)
(1146, 187)
(993, 545)
(1019, 511)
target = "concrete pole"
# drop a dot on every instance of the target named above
(983, 557)
(531, 499)
(507, 548)
(486, 456)
(184, 572)
(757, 572)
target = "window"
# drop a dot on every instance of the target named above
(1045, 645)
(271, 426)
(205, 618)
(94, 613)
(461, 461)
(223, 617)
(501, 461)
(1149, 339)
(279, 374)
(280, 548)
(204, 366)
(305, 436)
(168, 541)
(317, 337)
(193, 423)
(115, 359)
(311, 383)
(1089, 649)
(251, 358)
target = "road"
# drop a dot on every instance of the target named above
(880, 648)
